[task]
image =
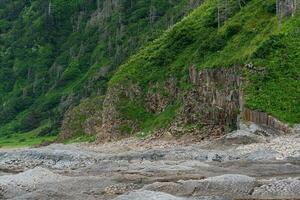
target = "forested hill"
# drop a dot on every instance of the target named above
(54, 53)
(136, 67)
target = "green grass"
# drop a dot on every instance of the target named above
(277, 91)
(24, 140)
(246, 37)
(49, 63)
(83, 138)
(250, 35)
(161, 120)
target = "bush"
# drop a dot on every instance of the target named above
(71, 73)
(22, 140)
(268, 46)
(270, 8)
(45, 132)
(231, 30)
(30, 121)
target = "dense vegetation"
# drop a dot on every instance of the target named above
(250, 35)
(54, 53)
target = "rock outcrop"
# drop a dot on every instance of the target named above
(84, 119)
(212, 102)
(213, 105)
(266, 121)
(133, 169)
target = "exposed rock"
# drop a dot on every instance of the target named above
(148, 195)
(277, 148)
(112, 119)
(120, 189)
(86, 118)
(233, 185)
(159, 97)
(241, 137)
(213, 103)
(287, 188)
(55, 156)
(297, 129)
(167, 187)
(25, 182)
(215, 98)
(174, 168)
(31, 177)
(266, 121)
(260, 155)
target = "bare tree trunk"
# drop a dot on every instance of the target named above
(223, 12)
(219, 17)
(49, 8)
(279, 11)
(285, 8)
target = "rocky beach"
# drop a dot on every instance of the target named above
(253, 166)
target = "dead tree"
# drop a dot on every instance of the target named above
(152, 14)
(49, 8)
(285, 8)
(223, 12)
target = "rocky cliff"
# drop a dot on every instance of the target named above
(202, 77)
(212, 103)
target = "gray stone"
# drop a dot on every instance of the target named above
(287, 188)
(167, 187)
(225, 185)
(242, 137)
(105, 171)
(296, 129)
(262, 154)
(148, 195)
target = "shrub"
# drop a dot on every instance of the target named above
(45, 132)
(231, 30)
(30, 121)
(273, 43)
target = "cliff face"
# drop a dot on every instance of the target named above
(215, 96)
(266, 121)
(212, 103)
(82, 120)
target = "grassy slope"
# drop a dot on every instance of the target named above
(246, 37)
(278, 91)
(47, 65)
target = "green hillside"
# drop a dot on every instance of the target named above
(58, 54)
(252, 34)
(54, 53)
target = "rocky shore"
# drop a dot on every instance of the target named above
(241, 165)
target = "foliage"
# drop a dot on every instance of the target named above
(250, 35)
(277, 91)
(53, 53)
